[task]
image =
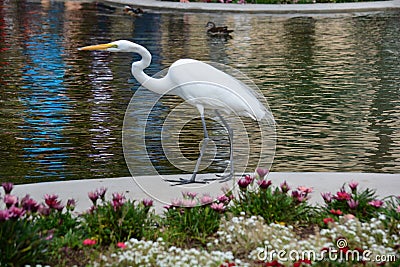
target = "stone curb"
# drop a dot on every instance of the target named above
(319, 8)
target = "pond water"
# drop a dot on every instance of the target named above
(332, 83)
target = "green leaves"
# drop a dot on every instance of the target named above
(33, 233)
(273, 204)
(108, 224)
(184, 225)
(21, 243)
(363, 204)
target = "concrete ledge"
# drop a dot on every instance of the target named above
(320, 8)
(385, 185)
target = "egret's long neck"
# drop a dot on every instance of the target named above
(159, 86)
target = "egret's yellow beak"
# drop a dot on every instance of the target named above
(98, 47)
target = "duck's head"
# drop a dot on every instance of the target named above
(210, 25)
(127, 9)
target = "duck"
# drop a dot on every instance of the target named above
(217, 31)
(134, 12)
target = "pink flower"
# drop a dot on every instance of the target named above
(223, 199)
(206, 199)
(189, 203)
(349, 217)
(262, 172)
(147, 202)
(59, 207)
(117, 201)
(341, 195)
(218, 207)
(188, 194)
(327, 197)
(398, 208)
(352, 203)
(71, 204)
(264, 184)
(121, 245)
(244, 182)
(306, 190)
(376, 203)
(93, 196)
(10, 200)
(167, 207)
(52, 202)
(353, 186)
(285, 187)
(29, 204)
(92, 209)
(16, 212)
(176, 202)
(50, 236)
(328, 220)
(50, 199)
(43, 210)
(101, 193)
(89, 242)
(299, 196)
(249, 178)
(336, 212)
(8, 187)
(4, 215)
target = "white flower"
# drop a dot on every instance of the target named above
(382, 217)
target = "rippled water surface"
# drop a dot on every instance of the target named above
(332, 83)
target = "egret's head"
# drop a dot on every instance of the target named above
(117, 46)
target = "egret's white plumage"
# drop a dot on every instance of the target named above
(199, 83)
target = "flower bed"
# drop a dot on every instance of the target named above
(261, 225)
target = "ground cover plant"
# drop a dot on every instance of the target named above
(259, 224)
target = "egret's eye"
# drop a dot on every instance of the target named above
(114, 46)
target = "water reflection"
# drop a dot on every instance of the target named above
(332, 83)
(45, 100)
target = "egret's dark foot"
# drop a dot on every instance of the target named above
(226, 177)
(221, 178)
(211, 179)
(183, 181)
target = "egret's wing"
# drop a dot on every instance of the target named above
(203, 84)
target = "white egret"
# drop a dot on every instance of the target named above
(202, 86)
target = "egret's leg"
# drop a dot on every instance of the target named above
(230, 134)
(202, 150)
